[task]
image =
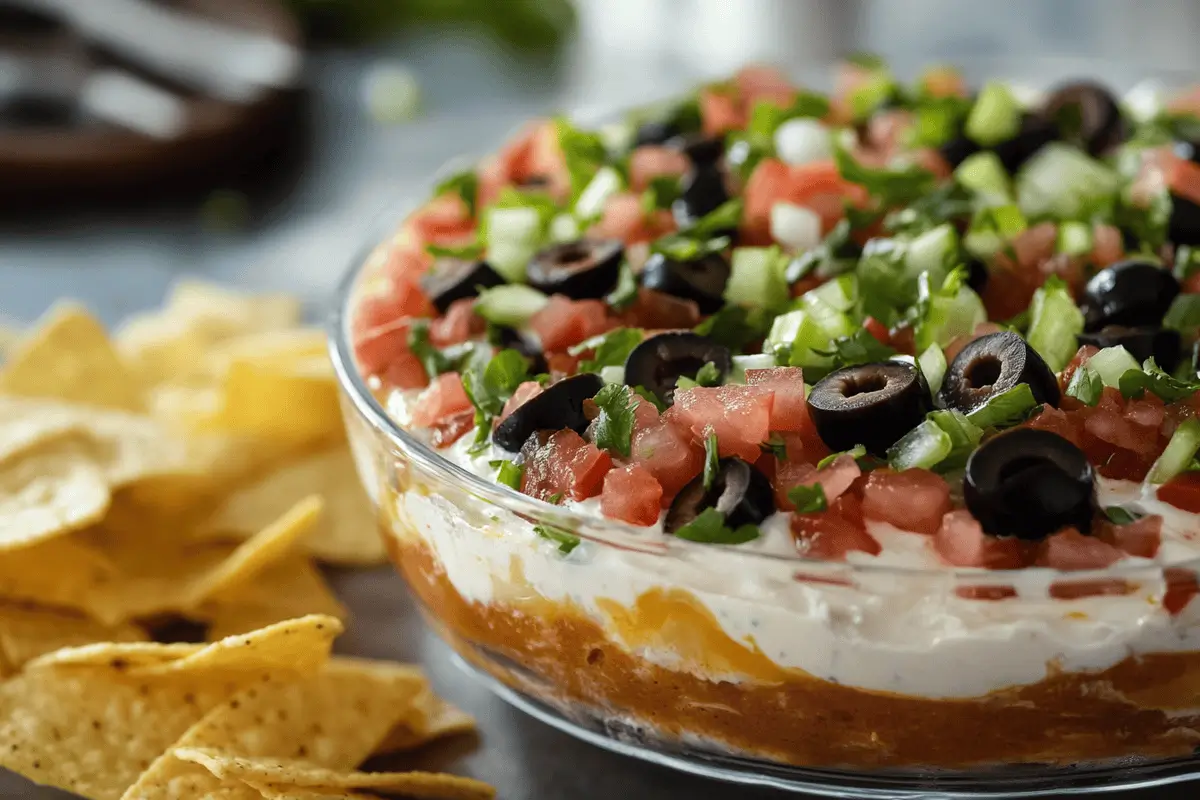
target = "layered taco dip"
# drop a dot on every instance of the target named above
(847, 430)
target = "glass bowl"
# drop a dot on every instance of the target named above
(844, 679)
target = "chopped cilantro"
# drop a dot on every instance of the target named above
(712, 460)
(508, 474)
(583, 152)
(466, 252)
(434, 360)
(723, 218)
(808, 499)
(565, 540)
(488, 386)
(613, 429)
(1010, 407)
(857, 452)
(709, 375)
(626, 290)
(650, 397)
(661, 193)
(736, 326)
(685, 248)
(1134, 383)
(1085, 386)
(465, 184)
(709, 528)
(1147, 222)
(859, 347)
(776, 446)
(893, 187)
(611, 349)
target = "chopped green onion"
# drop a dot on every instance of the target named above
(934, 251)
(712, 464)
(964, 437)
(750, 361)
(1005, 409)
(1119, 515)
(513, 235)
(1075, 238)
(932, 363)
(565, 540)
(1111, 363)
(984, 174)
(946, 313)
(1061, 181)
(996, 115)
(508, 474)
(606, 182)
(756, 278)
(615, 374)
(510, 305)
(1054, 324)
(1184, 314)
(1178, 455)
(925, 446)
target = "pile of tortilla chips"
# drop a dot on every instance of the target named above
(189, 469)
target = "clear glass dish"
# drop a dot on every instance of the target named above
(850, 680)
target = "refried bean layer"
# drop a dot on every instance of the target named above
(1140, 707)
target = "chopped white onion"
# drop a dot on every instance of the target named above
(801, 140)
(795, 226)
(1144, 101)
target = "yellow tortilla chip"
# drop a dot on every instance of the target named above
(268, 546)
(48, 493)
(293, 587)
(346, 533)
(22, 433)
(10, 335)
(297, 773)
(333, 719)
(430, 718)
(27, 632)
(69, 357)
(296, 647)
(290, 345)
(296, 402)
(79, 573)
(268, 792)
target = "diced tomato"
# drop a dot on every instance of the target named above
(1183, 178)
(459, 324)
(1182, 491)
(720, 111)
(443, 220)
(757, 82)
(532, 154)
(666, 451)
(523, 394)
(444, 396)
(789, 411)
(877, 330)
(658, 310)
(886, 131)
(631, 494)
(831, 534)
(961, 542)
(835, 479)
(1108, 247)
(655, 161)
(816, 185)
(562, 364)
(408, 299)
(912, 500)
(740, 416)
(1082, 356)
(1181, 588)
(1011, 284)
(1112, 427)
(1147, 413)
(1191, 284)
(566, 464)
(943, 81)
(376, 311)
(1141, 537)
(565, 322)
(406, 259)
(383, 351)
(1070, 550)
(1072, 589)
(448, 430)
(1058, 422)
(404, 371)
(624, 218)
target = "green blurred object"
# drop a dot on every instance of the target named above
(526, 26)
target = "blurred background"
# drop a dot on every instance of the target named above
(258, 141)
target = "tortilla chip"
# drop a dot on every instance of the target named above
(69, 357)
(430, 718)
(292, 587)
(79, 572)
(266, 547)
(27, 632)
(293, 401)
(268, 792)
(333, 719)
(23, 433)
(296, 647)
(289, 345)
(293, 773)
(346, 533)
(10, 335)
(49, 492)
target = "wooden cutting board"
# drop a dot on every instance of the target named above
(65, 162)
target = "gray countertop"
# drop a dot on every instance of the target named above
(119, 262)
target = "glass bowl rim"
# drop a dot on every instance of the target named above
(589, 527)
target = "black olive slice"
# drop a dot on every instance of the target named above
(1183, 226)
(739, 491)
(958, 150)
(1086, 115)
(1130, 293)
(701, 192)
(977, 274)
(451, 279)
(993, 364)
(703, 151)
(661, 360)
(1029, 483)
(870, 404)
(559, 406)
(584, 269)
(1164, 345)
(702, 279)
(656, 131)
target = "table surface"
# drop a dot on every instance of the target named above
(123, 261)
